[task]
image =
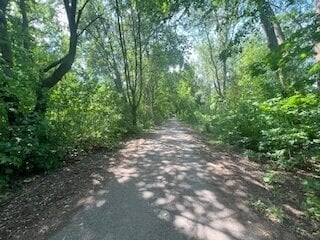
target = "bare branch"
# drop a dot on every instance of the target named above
(88, 25)
(80, 11)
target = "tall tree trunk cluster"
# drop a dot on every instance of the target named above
(132, 67)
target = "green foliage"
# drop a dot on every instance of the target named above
(189, 99)
(312, 204)
(112, 92)
(255, 116)
(291, 134)
(285, 130)
(185, 101)
(28, 150)
(272, 178)
(86, 114)
(260, 99)
(240, 125)
(271, 211)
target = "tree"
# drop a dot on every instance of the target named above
(164, 52)
(25, 24)
(317, 46)
(129, 45)
(133, 71)
(63, 65)
(9, 99)
(274, 34)
(271, 26)
(49, 75)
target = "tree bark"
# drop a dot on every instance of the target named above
(274, 34)
(267, 18)
(216, 81)
(140, 59)
(317, 45)
(278, 31)
(134, 115)
(63, 65)
(25, 24)
(132, 67)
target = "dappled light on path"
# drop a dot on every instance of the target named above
(168, 186)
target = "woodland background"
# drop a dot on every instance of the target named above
(78, 75)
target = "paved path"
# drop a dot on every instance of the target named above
(167, 186)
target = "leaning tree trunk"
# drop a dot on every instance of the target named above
(267, 20)
(62, 66)
(274, 34)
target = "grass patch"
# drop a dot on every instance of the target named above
(270, 211)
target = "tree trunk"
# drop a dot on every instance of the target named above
(225, 76)
(25, 24)
(134, 115)
(278, 31)
(317, 45)
(274, 36)
(132, 67)
(63, 65)
(10, 100)
(216, 81)
(267, 18)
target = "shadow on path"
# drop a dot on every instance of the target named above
(168, 186)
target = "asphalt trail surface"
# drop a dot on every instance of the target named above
(167, 185)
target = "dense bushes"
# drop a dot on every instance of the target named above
(254, 113)
(118, 84)
(270, 109)
(28, 148)
(283, 130)
(83, 114)
(87, 113)
(292, 133)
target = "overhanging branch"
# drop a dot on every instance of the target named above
(80, 11)
(88, 25)
(52, 65)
